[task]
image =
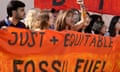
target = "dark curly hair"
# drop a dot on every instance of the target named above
(94, 18)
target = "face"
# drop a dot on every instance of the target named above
(76, 17)
(117, 26)
(103, 29)
(20, 13)
(69, 19)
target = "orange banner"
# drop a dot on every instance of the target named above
(51, 51)
(101, 6)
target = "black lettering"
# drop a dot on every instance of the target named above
(99, 43)
(77, 43)
(105, 42)
(111, 42)
(89, 70)
(33, 40)
(86, 64)
(63, 67)
(15, 40)
(76, 40)
(82, 38)
(41, 38)
(54, 64)
(96, 67)
(32, 64)
(101, 4)
(55, 3)
(66, 66)
(41, 64)
(87, 38)
(93, 41)
(15, 63)
(66, 40)
(103, 66)
(78, 66)
(72, 39)
(22, 37)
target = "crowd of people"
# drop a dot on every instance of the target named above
(72, 19)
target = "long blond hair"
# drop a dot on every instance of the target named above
(32, 18)
(36, 19)
(60, 21)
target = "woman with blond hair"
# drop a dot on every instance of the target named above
(37, 20)
(65, 21)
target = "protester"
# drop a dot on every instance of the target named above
(37, 20)
(44, 21)
(114, 28)
(99, 28)
(76, 15)
(32, 18)
(64, 20)
(53, 15)
(15, 12)
(94, 19)
(87, 22)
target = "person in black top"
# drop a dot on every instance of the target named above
(15, 11)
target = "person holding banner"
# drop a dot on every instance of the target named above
(32, 17)
(65, 20)
(114, 28)
(84, 16)
(53, 15)
(37, 20)
(76, 15)
(99, 28)
(96, 25)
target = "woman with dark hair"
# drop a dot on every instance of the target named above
(99, 28)
(114, 28)
(94, 19)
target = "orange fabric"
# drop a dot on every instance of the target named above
(72, 51)
(109, 6)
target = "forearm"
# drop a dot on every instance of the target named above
(78, 25)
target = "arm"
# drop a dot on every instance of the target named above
(82, 22)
